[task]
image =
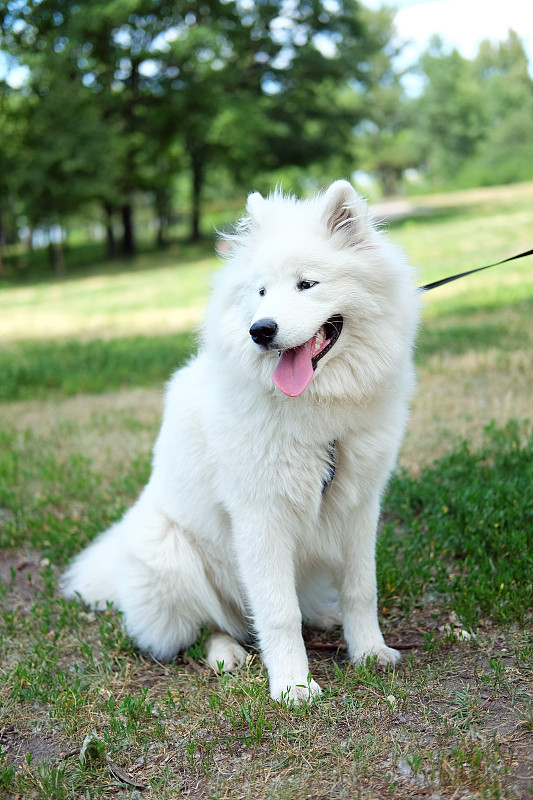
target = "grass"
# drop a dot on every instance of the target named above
(36, 369)
(462, 531)
(83, 714)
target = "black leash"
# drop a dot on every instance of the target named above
(442, 281)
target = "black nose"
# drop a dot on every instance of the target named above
(263, 331)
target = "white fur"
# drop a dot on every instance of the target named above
(233, 530)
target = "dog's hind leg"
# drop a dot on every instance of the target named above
(167, 586)
(224, 654)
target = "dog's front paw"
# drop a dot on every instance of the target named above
(295, 692)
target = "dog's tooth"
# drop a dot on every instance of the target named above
(319, 340)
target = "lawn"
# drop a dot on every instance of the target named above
(84, 714)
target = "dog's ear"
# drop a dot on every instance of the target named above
(345, 212)
(255, 206)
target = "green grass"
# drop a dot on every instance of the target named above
(465, 230)
(462, 531)
(83, 714)
(37, 369)
(52, 332)
(56, 502)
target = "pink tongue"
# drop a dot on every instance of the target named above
(294, 369)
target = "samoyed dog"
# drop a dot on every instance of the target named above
(276, 444)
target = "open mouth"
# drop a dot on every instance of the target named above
(326, 338)
(296, 365)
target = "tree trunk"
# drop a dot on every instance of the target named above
(161, 211)
(57, 261)
(24, 258)
(128, 241)
(389, 178)
(111, 245)
(1, 248)
(197, 166)
(160, 241)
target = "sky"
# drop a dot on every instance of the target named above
(461, 23)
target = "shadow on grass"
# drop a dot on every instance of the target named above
(88, 260)
(33, 370)
(422, 215)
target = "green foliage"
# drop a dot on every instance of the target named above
(506, 153)
(450, 111)
(7, 772)
(462, 530)
(385, 141)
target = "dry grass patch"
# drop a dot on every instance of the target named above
(110, 430)
(487, 195)
(458, 395)
(161, 300)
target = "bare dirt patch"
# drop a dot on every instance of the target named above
(39, 747)
(20, 574)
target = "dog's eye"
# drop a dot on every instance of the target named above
(303, 285)
(262, 292)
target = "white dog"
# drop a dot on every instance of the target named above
(276, 444)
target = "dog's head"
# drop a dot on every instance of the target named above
(313, 298)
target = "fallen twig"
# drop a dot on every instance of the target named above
(124, 777)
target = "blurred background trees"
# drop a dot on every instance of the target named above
(131, 109)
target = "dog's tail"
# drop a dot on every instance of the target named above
(92, 575)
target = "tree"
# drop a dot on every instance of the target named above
(385, 140)
(253, 86)
(66, 161)
(506, 151)
(258, 86)
(9, 125)
(451, 117)
(85, 66)
(474, 117)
